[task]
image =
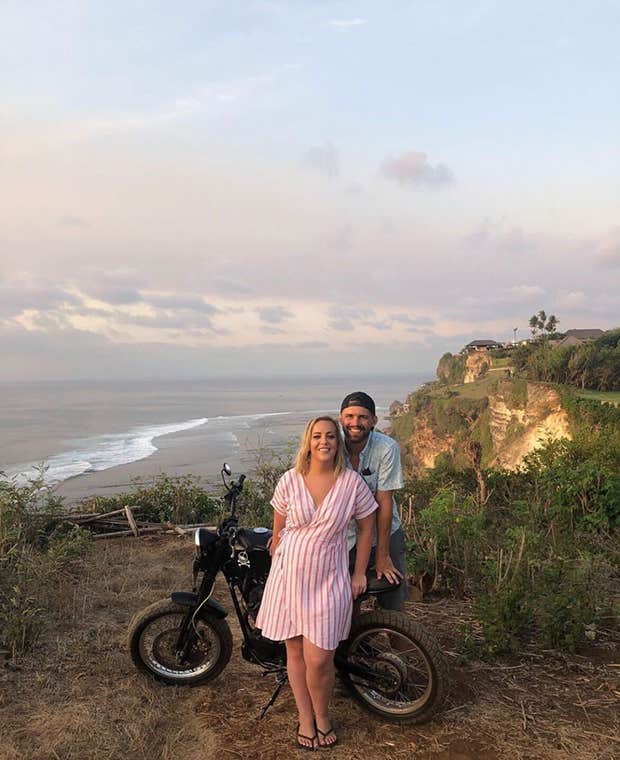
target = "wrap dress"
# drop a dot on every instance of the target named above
(308, 591)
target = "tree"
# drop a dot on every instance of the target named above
(543, 323)
(552, 324)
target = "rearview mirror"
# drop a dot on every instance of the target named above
(226, 468)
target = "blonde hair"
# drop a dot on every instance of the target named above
(302, 462)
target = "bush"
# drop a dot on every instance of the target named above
(570, 598)
(182, 499)
(35, 556)
(255, 503)
(524, 552)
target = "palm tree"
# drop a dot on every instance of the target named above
(552, 323)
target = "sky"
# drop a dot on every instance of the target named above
(308, 187)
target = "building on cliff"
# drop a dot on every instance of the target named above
(481, 345)
(578, 337)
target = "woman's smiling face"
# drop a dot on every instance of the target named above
(324, 441)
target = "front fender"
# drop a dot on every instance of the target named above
(189, 599)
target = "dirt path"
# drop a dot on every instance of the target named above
(77, 696)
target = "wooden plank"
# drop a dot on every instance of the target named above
(131, 521)
(105, 515)
(125, 533)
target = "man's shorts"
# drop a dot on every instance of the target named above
(390, 600)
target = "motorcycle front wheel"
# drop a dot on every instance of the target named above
(394, 667)
(153, 639)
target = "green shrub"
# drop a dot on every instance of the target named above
(505, 615)
(35, 555)
(571, 596)
(182, 499)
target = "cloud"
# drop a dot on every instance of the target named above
(75, 222)
(228, 286)
(163, 320)
(413, 169)
(344, 318)
(269, 330)
(347, 23)
(116, 295)
(609, 253)
(322, 159)
(521, 293)
(415, 321)
(273, 314)
(572, 299)
(116, 286)
(189, 303)
(18, 296)
(497, 235)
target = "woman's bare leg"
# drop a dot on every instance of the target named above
(296, 669)
(320, 676)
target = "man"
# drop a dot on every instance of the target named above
(377, 458)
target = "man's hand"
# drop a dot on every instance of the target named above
(385, 567)
(358, 584)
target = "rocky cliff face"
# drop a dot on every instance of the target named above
(519, 425)
(476, 365)
(513, 419)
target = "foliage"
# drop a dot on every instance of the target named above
(542, 323)
(182, 499)
(255, 503)
(537, 551)
(594, 365)
(35, 556)
(451, 369)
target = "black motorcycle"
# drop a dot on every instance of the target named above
(389, 663)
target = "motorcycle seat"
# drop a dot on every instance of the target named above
(253, 538)
(378, 586)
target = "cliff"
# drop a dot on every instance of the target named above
(508, 418)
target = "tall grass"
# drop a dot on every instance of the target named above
(35, 555)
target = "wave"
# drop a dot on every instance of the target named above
(112, 450)
(100, 453)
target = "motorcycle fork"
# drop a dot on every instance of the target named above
(240, 616)
(187, 632)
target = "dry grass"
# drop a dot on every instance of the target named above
(78, 695)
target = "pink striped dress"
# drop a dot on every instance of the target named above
(308, 592)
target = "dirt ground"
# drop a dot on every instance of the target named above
(78, 696)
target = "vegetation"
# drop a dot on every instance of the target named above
(35, 558)
(543, 324)
(593, 365)
(183, 499)
(37, 555)
(451, 369)
(536, 548)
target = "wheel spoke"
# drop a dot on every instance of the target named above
(403, 675)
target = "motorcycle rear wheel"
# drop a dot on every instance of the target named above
(153, 635)
(411, 673)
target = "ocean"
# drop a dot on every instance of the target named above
(97, 438)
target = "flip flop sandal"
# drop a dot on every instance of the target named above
(324, 734)
(309, 747)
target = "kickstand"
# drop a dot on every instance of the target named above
(281, 679)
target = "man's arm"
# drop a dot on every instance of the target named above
(390, 477)
(383, 561)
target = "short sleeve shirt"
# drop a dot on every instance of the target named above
(381, 469)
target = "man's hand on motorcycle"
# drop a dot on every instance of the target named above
(385, 567)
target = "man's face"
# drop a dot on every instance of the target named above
(357, 422)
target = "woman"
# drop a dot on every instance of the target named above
(308, 597)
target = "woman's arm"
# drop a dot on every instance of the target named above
(364, 540)
(279, 522)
